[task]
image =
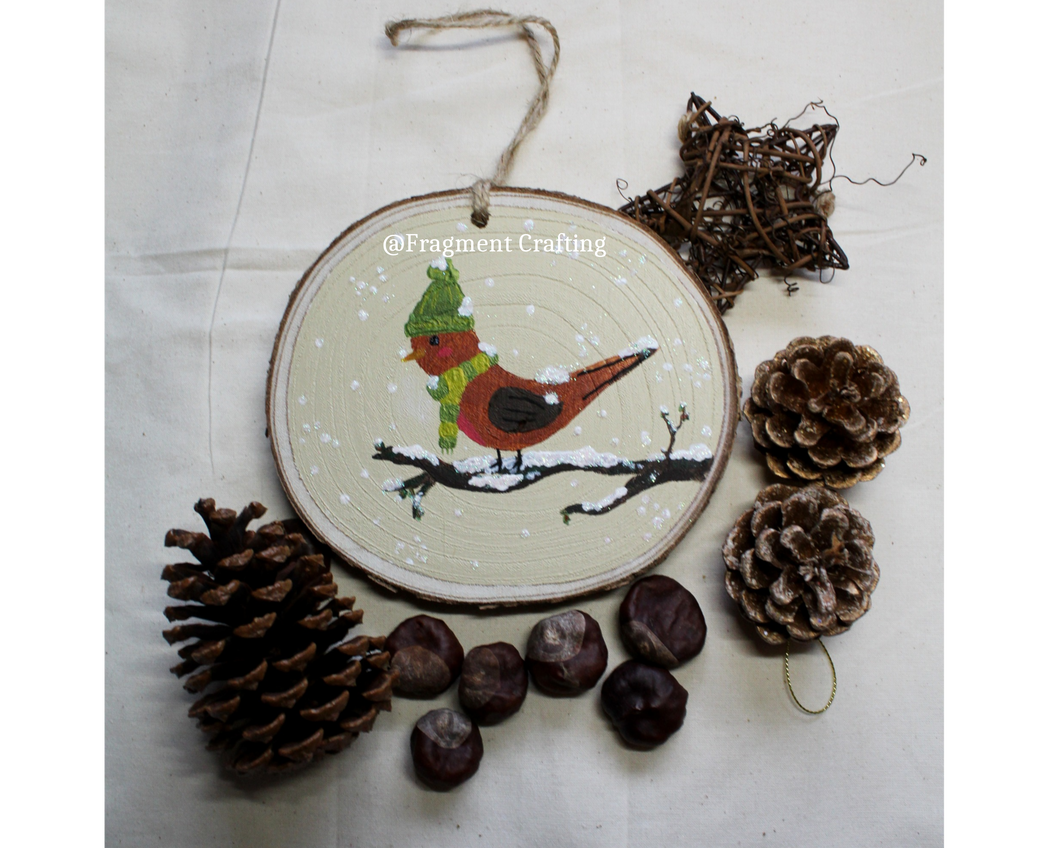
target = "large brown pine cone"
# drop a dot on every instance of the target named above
(826, 409)
(283, 685)
(799, 563)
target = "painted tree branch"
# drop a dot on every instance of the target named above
(484, 474)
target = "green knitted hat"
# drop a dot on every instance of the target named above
(443, 307)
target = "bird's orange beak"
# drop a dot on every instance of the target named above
(416, 354)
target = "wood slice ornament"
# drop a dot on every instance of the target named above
(517, 396)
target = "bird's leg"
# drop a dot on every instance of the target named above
(519, 460)
(500, 462)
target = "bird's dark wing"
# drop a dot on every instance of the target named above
(519, 411)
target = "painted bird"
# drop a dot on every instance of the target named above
(492, 406)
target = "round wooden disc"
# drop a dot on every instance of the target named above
(593, 363)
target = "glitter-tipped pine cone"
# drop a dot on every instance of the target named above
(826, 410)
(799, 563)
(283, 681)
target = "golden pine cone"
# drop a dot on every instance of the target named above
(799, 563)
(283, 684)
(826, 410)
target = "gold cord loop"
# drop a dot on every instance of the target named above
(787, 678)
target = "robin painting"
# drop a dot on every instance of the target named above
(479, 398)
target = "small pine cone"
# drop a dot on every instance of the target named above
(282, 683)
(826, 410)
(799, 563)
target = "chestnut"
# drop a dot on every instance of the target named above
(566, 654)
(661, 622)
(492, 682)
(645, 703)
(446, 749)
(426, 656)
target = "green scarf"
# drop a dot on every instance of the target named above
(449, 388)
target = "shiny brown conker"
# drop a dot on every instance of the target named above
(645, 703)
(661, 622)
(426, 656)
(446, 749)
(566, 654)
(492, 682)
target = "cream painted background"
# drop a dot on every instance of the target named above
(348, 124)
(539, 310)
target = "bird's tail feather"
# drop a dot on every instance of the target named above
(603, 374)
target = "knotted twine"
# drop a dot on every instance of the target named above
(491, 19)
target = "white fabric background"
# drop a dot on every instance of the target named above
(348, 123)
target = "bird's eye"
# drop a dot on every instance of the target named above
(433, 340)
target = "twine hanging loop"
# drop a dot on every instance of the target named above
(491, 19)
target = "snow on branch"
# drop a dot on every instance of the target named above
(485, 474)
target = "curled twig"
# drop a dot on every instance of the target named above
(918, 158)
